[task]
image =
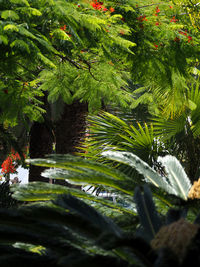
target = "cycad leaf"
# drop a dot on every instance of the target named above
(142, 167)
(148, 215)
(39, 191)
(176, 175)
(88, 213)
(81, 171)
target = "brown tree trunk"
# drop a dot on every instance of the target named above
(70, 130)
(41, 143)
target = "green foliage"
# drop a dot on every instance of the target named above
(109, 132)
(67, 231)
(91, 86)
(99, 241)
(64, 49)
(6, 200)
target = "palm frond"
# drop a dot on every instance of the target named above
(176, 176)
(148, 215)
(109, 132)
(38, 191)
(85, 172)
(142, 167)
(168, 128)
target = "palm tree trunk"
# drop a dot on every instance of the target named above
(40, 144)
(70, 130)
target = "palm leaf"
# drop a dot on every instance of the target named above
(142, 167)
(176, 176)
(85, 172)
(39, 191)
(107, 130)
(87, 213)
(148, 215)
(168, 128)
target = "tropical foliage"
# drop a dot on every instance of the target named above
(140, 62)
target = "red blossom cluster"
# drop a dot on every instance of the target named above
(186, 35)
(10, 163)
(8, 166)
(63, 28)
(141, 18)
(99, 6)
(157, 10)
(173, 19)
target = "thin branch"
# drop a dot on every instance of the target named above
(74, 63)
(89, 69)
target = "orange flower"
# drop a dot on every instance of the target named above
(112, 9)
(63, 28)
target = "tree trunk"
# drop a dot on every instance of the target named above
(41, 143)
(70, 130)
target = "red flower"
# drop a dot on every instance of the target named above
(157, 23)
(63, 28)
(189, 39)
(173, 19)
(156, 46)
(141, 18)
(157, 9)
(170, 6)
(105, 9)
(112, 9)
(183, 33)
(8, 166)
